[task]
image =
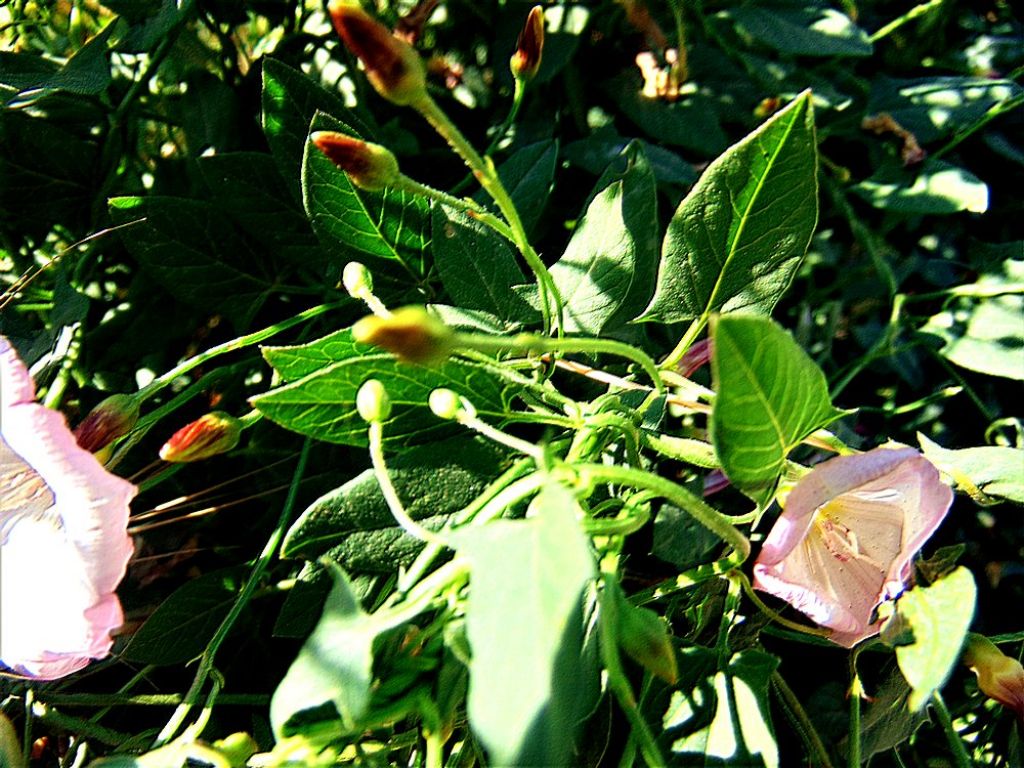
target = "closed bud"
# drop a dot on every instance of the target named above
(372, 401)
(644, 636)
(999, 676)
(526, 60)
(111, 419)
(393, 67)
(369, 166)
(357, 280)
(445, 404)
(209, 435)
(237, 748)
(410, 333)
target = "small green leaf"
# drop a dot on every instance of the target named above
(529, 684)
(939, 615)
(724, 717)
(771, 396)
(604, 146)
(982, 330)
(936, 187)
(180, 628)
(476, 266)
(322, 404)
(736, 240)
(294, 362)
(194, 253)
(886, 721)
(605, 275)
(989, 474)
(335, 664)
(801, 29)
(392, 226)
(436, 479)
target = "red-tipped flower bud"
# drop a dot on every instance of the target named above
(410, 333)
(999, 676)
(392, 65)
(526, 60)
(369, 166)
(111, 419)
(216, 432)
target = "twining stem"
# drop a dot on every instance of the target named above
(744, 582)
(856, 692)
(487, 175)
(803, 723)
(206, 668)
(529, 342)
(956, 744)
(690, 336)
(899, 21)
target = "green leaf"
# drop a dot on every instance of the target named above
(436, 479)
(886, 721)
(725, 717)
(605, 146)
(249, 188)
(321, 404)
(335, 664)
(934, 107)
(528, 176)
(801, 29)
(605, 275)
(935, 187)
(290, 100)
(989, 474)
(185, 622)
(771, 396)
(939, 615)
(736, 240)
(529, 683)
(679, 539)
(476, 266)
(392, 226)
(983, 330)
(197, 256)
(294, 362)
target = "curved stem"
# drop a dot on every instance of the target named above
(744, 582)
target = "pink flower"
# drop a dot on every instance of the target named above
(64, 545)
(845, 541)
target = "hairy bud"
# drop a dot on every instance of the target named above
(410, 333)
(999, 676)
(526, 60)
(216, 432)
(369, 166)
(111, 419)
(372, 401)
(393, 67)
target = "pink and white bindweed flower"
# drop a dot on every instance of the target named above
(64, 544)
(846, 538)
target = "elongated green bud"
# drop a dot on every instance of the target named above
(369, 166)
(393, 67)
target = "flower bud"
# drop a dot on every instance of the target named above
(393, 67)
(357, 280)
(999, 676)
(526, 60)
(237, 748)
(216, 432)
(644, 636)
(410, 333)
(111, 419)
(368, 166)
(445, 404)
(372, 401)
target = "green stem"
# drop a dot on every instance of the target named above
(466, 205)
(956, 744)
(744, 582)
(529, 342)
(380, 470)
(710, 518)
(856, 692)
(996, 110)
(803, 723)
(618, 682)
(899, 21)
(685, 343)
(487, 175)
(263, 561)
(235, 344)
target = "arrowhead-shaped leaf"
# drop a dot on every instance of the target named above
(736, 240)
